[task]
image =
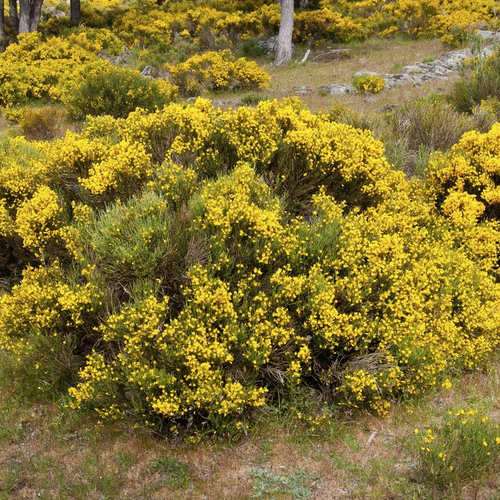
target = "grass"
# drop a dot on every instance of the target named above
(375, 55)
(46, 451)
(380, 56)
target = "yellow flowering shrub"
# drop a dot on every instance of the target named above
(44, 303)
(179, 369)
(176, 184)
(38, 220)
(46, 321)
(418, 18)
(217, 71)
(124, 167)
(20, 172)
(462, 447)
(238, 254)
(327, 24)
(295, 151)
(368, 83)
(39, 69)
(471, 168)
(462, 208)
(238, 208)
(6, 223)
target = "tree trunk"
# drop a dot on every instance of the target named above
(285, 34)
(2, 25)
(24, 16)
(30, 12)
(75, 11)
(13, 15)
(35, 14)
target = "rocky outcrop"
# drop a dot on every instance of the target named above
(336, 89)
(416, 74)
(439, 69)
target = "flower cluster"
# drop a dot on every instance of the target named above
(368, 83)
(217, 71)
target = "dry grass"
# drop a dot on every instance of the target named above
(47, 453)
(380, 56)
(377, 103)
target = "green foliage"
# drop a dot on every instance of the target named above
(116, 92)
(477, 83)
(422, 126)
(254, 99)
(463, 447)
(267, 484)
(140, 240)
(343, 114)
(172, 472)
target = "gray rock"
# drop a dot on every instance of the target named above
(490, 36)
(270, 45)
(120, 60)
(150, 72)
(302, 90)
(337, 89)
(51, 11)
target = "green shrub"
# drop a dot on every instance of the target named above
(254, 99)
(422, 126)
(141, 240)
(481, 83)
(117, 92)
(342, 114)
(463, 447)
(251, 48)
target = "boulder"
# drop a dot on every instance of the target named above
(337, 89)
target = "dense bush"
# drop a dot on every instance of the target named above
(38, 68)
(42, 124)
(368, 83)
(117, 92)
(203, 262)
(420, 127)
(217, 71)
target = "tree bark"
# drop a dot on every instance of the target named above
(75, 11)
(35, 14)
(30, 12)
(13, 15)
(24, 16)
(2, 25)
(284, 54)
